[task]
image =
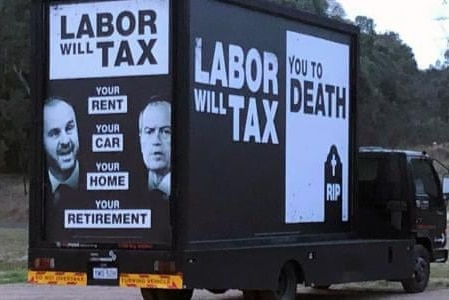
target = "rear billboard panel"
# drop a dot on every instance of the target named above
(107, 122)
(270, 113)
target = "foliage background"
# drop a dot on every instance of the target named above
(14, 89)
(398, 105)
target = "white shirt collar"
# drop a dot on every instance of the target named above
(163, 186)
(72, 181)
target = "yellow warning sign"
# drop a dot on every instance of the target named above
(151, 281)
(59, 278)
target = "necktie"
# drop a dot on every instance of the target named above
(61, 192)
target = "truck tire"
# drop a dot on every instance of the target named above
(286, 287)
(421, 273)
(164, 294)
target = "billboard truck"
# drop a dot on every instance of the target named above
(211, 144)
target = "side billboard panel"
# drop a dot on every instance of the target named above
(270, 114)
(107, 122)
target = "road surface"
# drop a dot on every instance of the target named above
(40, 292)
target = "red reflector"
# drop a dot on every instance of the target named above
(165, 267)
(44, 263)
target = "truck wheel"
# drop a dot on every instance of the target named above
(287, 283)
(286, 287)
(418, 282)
(164, 294)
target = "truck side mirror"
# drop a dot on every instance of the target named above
(446, 188)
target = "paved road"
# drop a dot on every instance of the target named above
(35, 292)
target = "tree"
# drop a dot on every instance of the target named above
(14, 87)
(318, 7)
(446, 57)
(335, 9)
(387, 96)
(365, 24)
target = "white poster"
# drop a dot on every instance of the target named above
(317, 129)
(109, 39)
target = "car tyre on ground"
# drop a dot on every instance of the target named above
(421, 272)
(286, 287)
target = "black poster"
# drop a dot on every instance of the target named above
(268, 96)
(107, 122)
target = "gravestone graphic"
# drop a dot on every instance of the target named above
(333, 187)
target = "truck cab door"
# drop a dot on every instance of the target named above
(383, 212)
(431, 220)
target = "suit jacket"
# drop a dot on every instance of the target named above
(56, 202)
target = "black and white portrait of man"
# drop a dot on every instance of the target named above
(61, 143)
(155, 143)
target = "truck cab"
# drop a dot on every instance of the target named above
(401, 195)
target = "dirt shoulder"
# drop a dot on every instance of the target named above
(13, 201)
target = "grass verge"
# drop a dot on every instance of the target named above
(13, 255)
(439, 275)
(13, 200)
(13, 276)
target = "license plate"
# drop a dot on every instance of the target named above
(105, 273)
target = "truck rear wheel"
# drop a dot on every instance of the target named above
(164, 294)
(421, 273)
(286, 287)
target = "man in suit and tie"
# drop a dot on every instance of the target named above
(155, 143)
(61, 144)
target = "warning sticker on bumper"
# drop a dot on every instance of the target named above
(59, 278)
(151, 281)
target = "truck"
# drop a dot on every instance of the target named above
(211, 144)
